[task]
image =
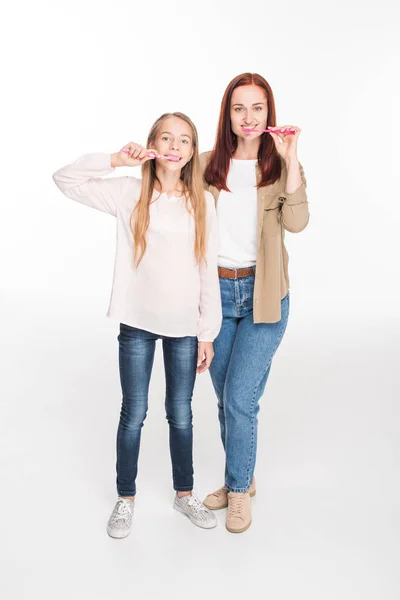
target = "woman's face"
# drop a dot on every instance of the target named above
(175, 138)
(248, 109)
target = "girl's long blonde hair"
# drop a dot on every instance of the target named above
(193, 193)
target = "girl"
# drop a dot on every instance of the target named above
(260, 188)
(165, 287)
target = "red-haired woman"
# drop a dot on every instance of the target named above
(259, 187)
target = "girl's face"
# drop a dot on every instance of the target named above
(175, 138)
(248, 109)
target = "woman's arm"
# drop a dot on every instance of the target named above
(294, 175)
(294, 214)
(210, 298)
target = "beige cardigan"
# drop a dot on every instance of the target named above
(277, 211)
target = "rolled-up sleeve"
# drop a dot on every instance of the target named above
(294, 214)
(210, 298)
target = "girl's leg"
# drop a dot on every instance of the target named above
(249, 367)
(136, 355)
(180, 362)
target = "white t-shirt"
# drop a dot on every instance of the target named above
(237, 216)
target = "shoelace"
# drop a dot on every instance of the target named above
(195, 503)
(122, 510)
(235, 505)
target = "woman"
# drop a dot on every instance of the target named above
(165, 287)
(259, 188)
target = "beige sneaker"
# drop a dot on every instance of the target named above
(219, 498)
(238, 517)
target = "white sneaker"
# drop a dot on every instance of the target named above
(120, 523)
(192, 507)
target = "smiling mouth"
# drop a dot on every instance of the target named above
(246, 128)
(173, 158)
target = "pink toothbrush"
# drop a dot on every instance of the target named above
(282, 131)
(152, 155)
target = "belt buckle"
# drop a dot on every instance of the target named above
(236, 273)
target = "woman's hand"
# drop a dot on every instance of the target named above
(131, 155)
(286, 144)
(205, 356)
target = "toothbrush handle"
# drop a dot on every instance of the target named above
(150, 154)
(277, 131)
(287, 132)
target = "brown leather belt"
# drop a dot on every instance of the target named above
(235, 273)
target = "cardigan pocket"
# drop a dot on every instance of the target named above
(271, 220)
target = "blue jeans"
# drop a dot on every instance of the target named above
(239, 372)
(136, 356)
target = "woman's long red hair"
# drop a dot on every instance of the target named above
(225, 146)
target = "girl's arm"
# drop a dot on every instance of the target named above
(210, 296)
(83, 180)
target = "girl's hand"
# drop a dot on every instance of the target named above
(205, 356)
(286, 144)
(131, 155)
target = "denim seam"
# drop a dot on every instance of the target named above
(252, 435)
(237, 490)
(236, 295)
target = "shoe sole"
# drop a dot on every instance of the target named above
(238, 530)
(118, 536)
(194, 523)
(225, 505)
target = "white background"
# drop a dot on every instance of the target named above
(90, 76)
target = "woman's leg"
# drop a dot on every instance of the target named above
(136, 355)
(180, 362)
(249, 367)
(223, 345)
